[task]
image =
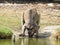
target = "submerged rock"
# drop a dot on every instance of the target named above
(44, 35)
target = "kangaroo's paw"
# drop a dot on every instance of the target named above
(22, 35)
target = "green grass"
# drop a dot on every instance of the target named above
(9, 21)
(5, 30)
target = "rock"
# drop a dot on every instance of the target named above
(44, 35)
(50, 4)
(40, 35)
(50, 31)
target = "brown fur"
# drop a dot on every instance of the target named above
(30, 18)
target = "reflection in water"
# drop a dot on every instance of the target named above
(5, 42)
(34, 41)
(30, 41)
(57, 42)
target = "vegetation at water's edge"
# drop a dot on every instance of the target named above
(9, 22)
(57, 35)
(5, 32)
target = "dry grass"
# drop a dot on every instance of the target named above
(10, 18)
(10, 14)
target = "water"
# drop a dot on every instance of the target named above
(29, 41)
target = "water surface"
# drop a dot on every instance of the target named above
(29, 41)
